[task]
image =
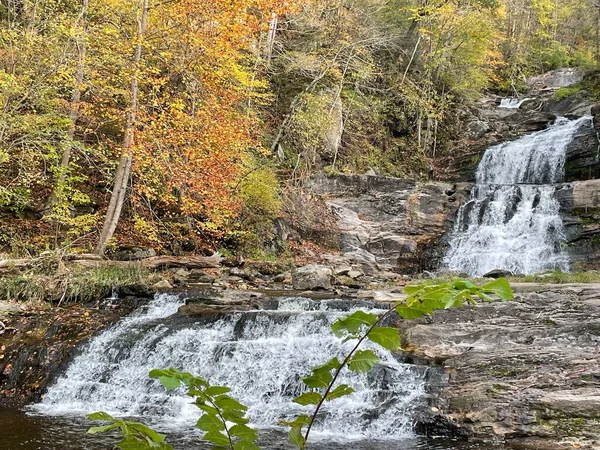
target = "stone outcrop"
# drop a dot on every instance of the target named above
(312, 277)
(580, 209)
(387, 223)
(525, 371)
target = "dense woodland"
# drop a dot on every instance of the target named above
(190, 125)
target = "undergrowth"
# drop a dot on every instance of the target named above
(76, 284)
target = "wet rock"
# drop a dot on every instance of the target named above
(498, 273)
(312, 277)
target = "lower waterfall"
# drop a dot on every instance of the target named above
(261, 355)
(512, 221)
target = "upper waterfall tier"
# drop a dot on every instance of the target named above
(538, 158)
(512, 221)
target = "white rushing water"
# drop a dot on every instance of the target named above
(512, 102)
(512, 221)
(261, 355)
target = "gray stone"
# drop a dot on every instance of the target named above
(198, 276)
(133, 253)
(312, 277)
(498, 273)
(354, 274)
(162, 284)
(342, 270)
(522, 369)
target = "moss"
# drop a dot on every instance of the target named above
(564, 92)
(559, 278)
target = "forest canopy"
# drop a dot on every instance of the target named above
(186, 124)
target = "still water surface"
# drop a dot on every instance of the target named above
(20, 431)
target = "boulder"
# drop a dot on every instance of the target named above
(312, 277)
(162, 284)
(133, 253)
(498, 273)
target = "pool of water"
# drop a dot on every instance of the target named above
(23, 431)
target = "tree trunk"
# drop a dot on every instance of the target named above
(271, 38)
(117, 198)
(74, 108)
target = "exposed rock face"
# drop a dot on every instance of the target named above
(583, 157)
(388, 223)
(527, 370)
(580, 208)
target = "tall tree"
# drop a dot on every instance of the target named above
(123, 172)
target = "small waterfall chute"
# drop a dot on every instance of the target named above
(512, 102)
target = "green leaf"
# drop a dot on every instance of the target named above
(207, 409)
(226, 402)
(100, 415)
(235, 416)
(500, 287)
(387, 337)
(318, 380)
(170, 383)
(409, 313)
(243, 432)
(302, 419)
(353, 323)
(332, 364)
(308, 398)
(210, 422)
(245, 445)
(217, 437)
(147, 432)
(296, 438)
(102, 429)
(363, 361)
(216, 390)
(340, 391)
(463, 284)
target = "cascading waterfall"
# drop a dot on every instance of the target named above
(261, 355)
(512, 221)
(512, 102)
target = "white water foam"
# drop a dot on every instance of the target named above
(512, 221)
(261, 355)
(512, 102)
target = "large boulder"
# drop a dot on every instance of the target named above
(312, 277)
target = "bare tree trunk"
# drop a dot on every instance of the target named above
(117, 198)
(271, 38)
(74, 108)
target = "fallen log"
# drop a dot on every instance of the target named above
(159, 262)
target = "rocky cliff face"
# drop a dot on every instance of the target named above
(526, 371)
(386, 223)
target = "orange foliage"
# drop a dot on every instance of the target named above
(196, 126)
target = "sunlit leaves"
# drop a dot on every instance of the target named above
(136, 436)
(387, 337)
(362, 361)
(353, 323)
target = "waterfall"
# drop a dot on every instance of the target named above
(512, 102)
(512, 220)
(261, 355)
